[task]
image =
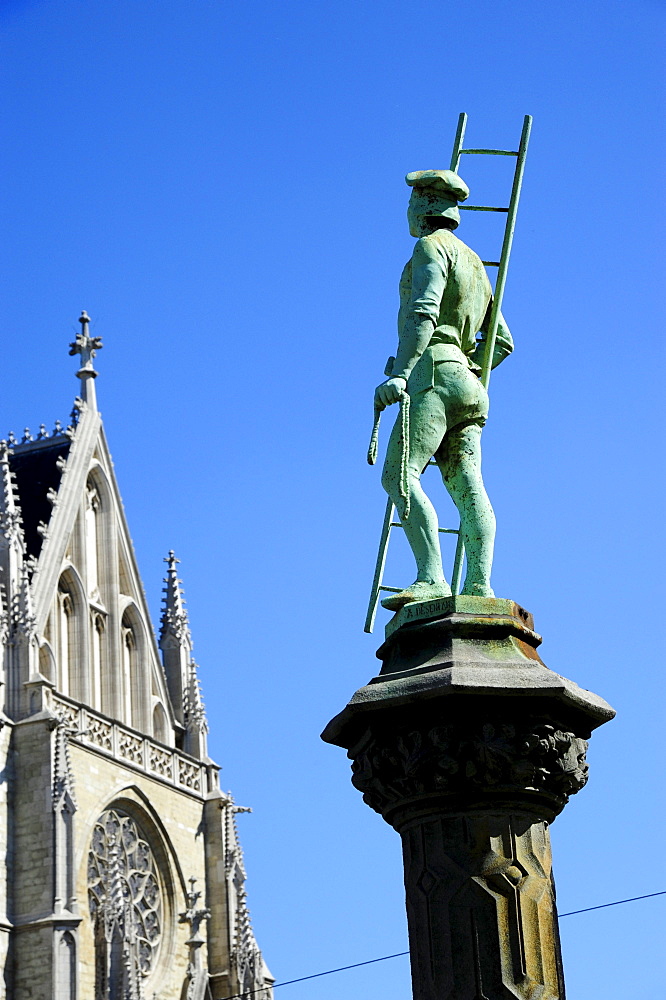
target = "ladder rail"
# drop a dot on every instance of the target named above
(490, 340)
(382, 552)
(458, 559)
(507, 243)
(491, 336)
(458, 141)
(379, 567)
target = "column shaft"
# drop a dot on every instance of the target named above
(481, 908)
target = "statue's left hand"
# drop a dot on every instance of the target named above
(389, 392)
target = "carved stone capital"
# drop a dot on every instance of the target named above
(450, 762)
(465, 716)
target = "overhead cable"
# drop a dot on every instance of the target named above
(401, 954)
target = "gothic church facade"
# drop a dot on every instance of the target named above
(121, 874)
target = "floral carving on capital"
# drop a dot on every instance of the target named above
(462, 759)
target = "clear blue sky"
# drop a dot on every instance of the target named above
(221, 186)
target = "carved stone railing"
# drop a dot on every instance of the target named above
(131, 748)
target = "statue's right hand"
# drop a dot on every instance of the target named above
(389, 392)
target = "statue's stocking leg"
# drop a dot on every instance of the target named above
(459, 460)
(421, 528)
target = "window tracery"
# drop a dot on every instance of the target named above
(125, 899)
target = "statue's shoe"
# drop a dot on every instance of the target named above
(419, 591)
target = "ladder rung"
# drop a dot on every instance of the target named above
(393, 590)
(492, 152)
(491, 263)
(481, 208)
(444, 531)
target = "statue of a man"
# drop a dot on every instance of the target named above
(445, 301)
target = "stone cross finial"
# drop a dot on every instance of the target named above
(87, 347)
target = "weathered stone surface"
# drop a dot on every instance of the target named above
(466, 654)
(469, 746)
(481, 909)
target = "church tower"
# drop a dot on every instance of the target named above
(121, 873)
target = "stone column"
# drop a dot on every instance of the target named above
(469, 746)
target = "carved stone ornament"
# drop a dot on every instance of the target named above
(488, 759)
(125, 899)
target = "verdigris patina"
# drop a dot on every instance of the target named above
(445, 301)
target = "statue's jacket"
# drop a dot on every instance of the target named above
(446, 282)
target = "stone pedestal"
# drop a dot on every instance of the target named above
(469, 746)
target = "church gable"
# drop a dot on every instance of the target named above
(92, 624)
(71, 560)
(116, 807)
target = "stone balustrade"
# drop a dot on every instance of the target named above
(131, 748)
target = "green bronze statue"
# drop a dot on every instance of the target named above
(445, 301)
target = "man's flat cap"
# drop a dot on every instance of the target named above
(442, 182)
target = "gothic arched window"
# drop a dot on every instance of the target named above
(66, 637)
(92, 509)
(135, 670)
(126, 908)
(160, 724)
(66, 967)
(97, 653)
(47, 663)
(129, 670)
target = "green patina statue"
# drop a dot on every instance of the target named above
(445, 301)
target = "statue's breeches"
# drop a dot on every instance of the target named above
(444, 395)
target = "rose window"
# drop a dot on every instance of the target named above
(125, 900)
